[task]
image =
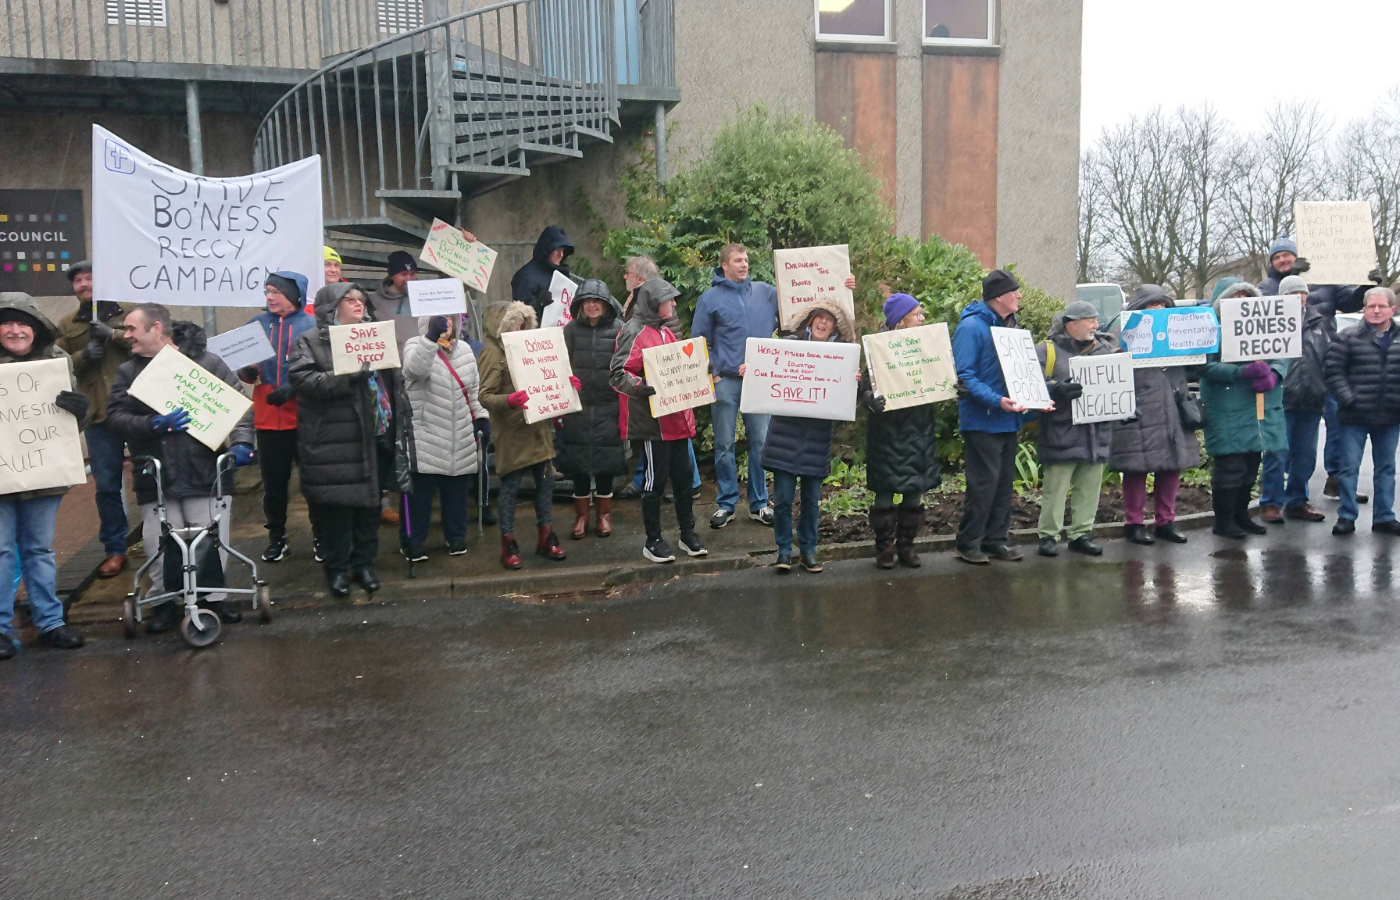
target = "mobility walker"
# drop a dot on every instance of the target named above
(200, 626)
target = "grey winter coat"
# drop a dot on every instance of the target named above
(444, 438)
(802, 446)
(1155, 441)
(1060, 440)
(591, 441)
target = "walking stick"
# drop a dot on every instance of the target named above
(408, 527)
(481, 492)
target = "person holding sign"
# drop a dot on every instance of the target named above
(591, 448)
(27, 517)
(1283, 261)
(530, 283)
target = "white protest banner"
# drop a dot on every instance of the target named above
(560, 309)
(172, 380)
(680, 372)
(368, 342)
(1258, 328)
(449, 252)
(1109, 394)
(806, 379)
(436, 297)
(39, 445)
(804, 274)
(1025, 379)
(539, 366)
(160, 235)
(1338, 240)
(244, 346)
(912, 366)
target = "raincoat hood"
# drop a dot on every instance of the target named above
(551, 239)
(19, 305)
(301, 283)
(503, 317)
(1147, 294)
(845, 330)
(649, 298)
(594, 289)
(1231, 287)
(328, 300)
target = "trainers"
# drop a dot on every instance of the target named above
(64, 637)
(971, 555)
(721, 517)
(628, 492)
(763, 516)
(658, 551)
(784, 563)
(7, 646)
(457, 549)
(1003, 552)
(413, 554)
(809, 562)
(317, 553)
(695, 494)
(276, 550)
(690, 543)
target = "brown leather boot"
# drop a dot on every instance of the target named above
(580, 528)
(910, 521)
(882, 522)
(548, 546)
(112, 566)
(604, 515)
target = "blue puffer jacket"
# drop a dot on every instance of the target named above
(802, 446)
(979, 372)
(730, 313)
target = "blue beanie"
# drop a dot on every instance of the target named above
(1280, 245)
(897, 307)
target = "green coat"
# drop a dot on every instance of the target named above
(518, 445)
(1232, 417)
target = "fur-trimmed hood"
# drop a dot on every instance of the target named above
(845, 329)
(513, 316)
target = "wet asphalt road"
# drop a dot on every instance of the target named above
(1170, 722)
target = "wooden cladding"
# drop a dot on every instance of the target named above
(960, 152)
(856, 96)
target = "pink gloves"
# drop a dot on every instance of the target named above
(578, 385)
(518, 400)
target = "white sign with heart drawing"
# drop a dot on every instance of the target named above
(680, 372)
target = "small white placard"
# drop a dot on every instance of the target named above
(680, 372)
(246, 345)
(560, 309)
(539, 366)
(805, 379)
(368, 342)
(448, 251)
(172, 380)
(1025, 380)
(1259, 328)
(39, 445)
(1109, 394)
(436, 297)
(1338, 240)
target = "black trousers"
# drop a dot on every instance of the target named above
(584, 485)
(456, 492)
(349, 536)
(666, 460)
(277, 453)
(991, 480)
(1235, 470)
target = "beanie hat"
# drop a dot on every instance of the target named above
(401, 261)
(1080, 309)
(998, 282)
(1280, 245)
(293, 286)
(1293, 284)
(82, 265)
(328, 254)
(897, 307)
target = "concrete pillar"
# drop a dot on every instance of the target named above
(909, 128)
(211, 318)
(661, 147)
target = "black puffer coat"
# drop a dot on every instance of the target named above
(901, 448)
(802, 446)
(592, 444)
(1305, 385)
(337, 444)
(1365, 377)
(1155, 441)
(530, 283)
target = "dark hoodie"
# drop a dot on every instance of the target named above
(20, 305)
(530, 285)
(592, 443)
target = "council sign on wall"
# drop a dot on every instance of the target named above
(41, 235)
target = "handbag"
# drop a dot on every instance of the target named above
(1193, 415)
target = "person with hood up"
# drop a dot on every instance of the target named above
(1156, 441)
(592, 451)
(188, 469)
(520, 446)
(530, 284)
(800, 449)
(664, 439)
(274, 400)
(989, 421)
(1072, 456)
(27, 518)
(354, 440)
(1237, 435)
(901, 448)
(444, 391)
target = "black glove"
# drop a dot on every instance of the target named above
(94, 350)
(100, 331)
(1064, 391)
(72, 402)
(362, 375)
(248, 374)
(280, 395)
(437, 327)
(482, 427)
(1131, 419)
(643, 390)
(1300, 265)
(1376, 276)
(875, 403)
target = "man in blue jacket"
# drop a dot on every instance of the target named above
(989, 421)
(733, 310)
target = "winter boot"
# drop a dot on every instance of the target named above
(510, 552)
(548, 546)
(580, 528)
(604, 515)
(882, 522)
(910, 521)
(1223, 502)
(1242, 517)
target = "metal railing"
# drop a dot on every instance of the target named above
(656, 44)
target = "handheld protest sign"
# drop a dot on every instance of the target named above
(1338, 240)
(366, 342)
(1109, 392)
(174, 381)
(805, 379)
(449, 252)
(39, 446)
(560, 308)
(244, 346)
(806, 274)
(539, 366)
(912, 366)
(436, 297)
(1171, 337)
(680, 372)
(1258, 328)
(1025, 380)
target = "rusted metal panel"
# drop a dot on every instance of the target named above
(856, 96)
(960, 152)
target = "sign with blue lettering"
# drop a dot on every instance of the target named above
(1180, 336)
(41, 235)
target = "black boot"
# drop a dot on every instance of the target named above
(1138, 535)
(163, 617)
(883, 523)
(338, 583)
(907, 529)
(1222, 500)
(227, 614)
(1242, 517)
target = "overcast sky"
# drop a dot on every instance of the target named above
(1240, 55)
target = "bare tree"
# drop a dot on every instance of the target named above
(1143, 174)
(1366, 166)
(1092, 237)
(1209, 158)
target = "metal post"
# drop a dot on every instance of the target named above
(211, 318)
(442, 131)
(661, 148)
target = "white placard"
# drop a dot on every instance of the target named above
(1258, 328)
(1338, 240)
(244, 346)
(160, 235)
(172, 380)
(1109, 394)
(539, 365)
(805, 379)
(680, 372)
(912, 366)
(39, 445)
(560, 309)
(448, 251)
(368, 342)
(805, 274)
(436, 297)
(1025, 379)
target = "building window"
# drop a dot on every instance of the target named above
(960, 22)
(136, 12)
(398, 16)
(853, 20)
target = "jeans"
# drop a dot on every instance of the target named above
(105, 450)
(26, 538)
(784, 489)
(455, 490)
(1332, 447)
(1271, 478)
(1082, 482)
(640, 474)
(1301, 459)
(1353, 441)
(991, 480)
(725, 416)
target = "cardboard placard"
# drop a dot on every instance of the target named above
(1025, 379)
(560, 309)
(39, 446)
(804, 274)
(368, 342)
(1338, 239)
(912, 366)
(246, 345)
(539, 365)
(436, 297)
(1259, 328)
(449, 252)
(1157, 338)
(172, 380)
(680, 372)
(805, 379)
(1109, 392)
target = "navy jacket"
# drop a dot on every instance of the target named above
(979, 372)
(530, 285)
(728, 314)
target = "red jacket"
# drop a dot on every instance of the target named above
(635, 418)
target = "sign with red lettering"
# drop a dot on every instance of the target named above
(1261, 328)
(803, 275)
(680, 372)
(539, 366)
(806, 379)
(368, 342)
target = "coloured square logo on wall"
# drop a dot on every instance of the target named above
(38, 229)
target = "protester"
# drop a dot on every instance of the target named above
(1157, 441)
(1272, 480)
(901, 448)
(520, 447)
(592, 452)
(1237, 435)
(1283, 261)
(1363, 373)
(637, 271)
(530, 284)
(332, 265)
(989, 421)
(188, 469)
(27, 517)
(733, 310)
(1072, 457)
(666, 438)
(439, 373)
(97, 349)
(354, 440)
